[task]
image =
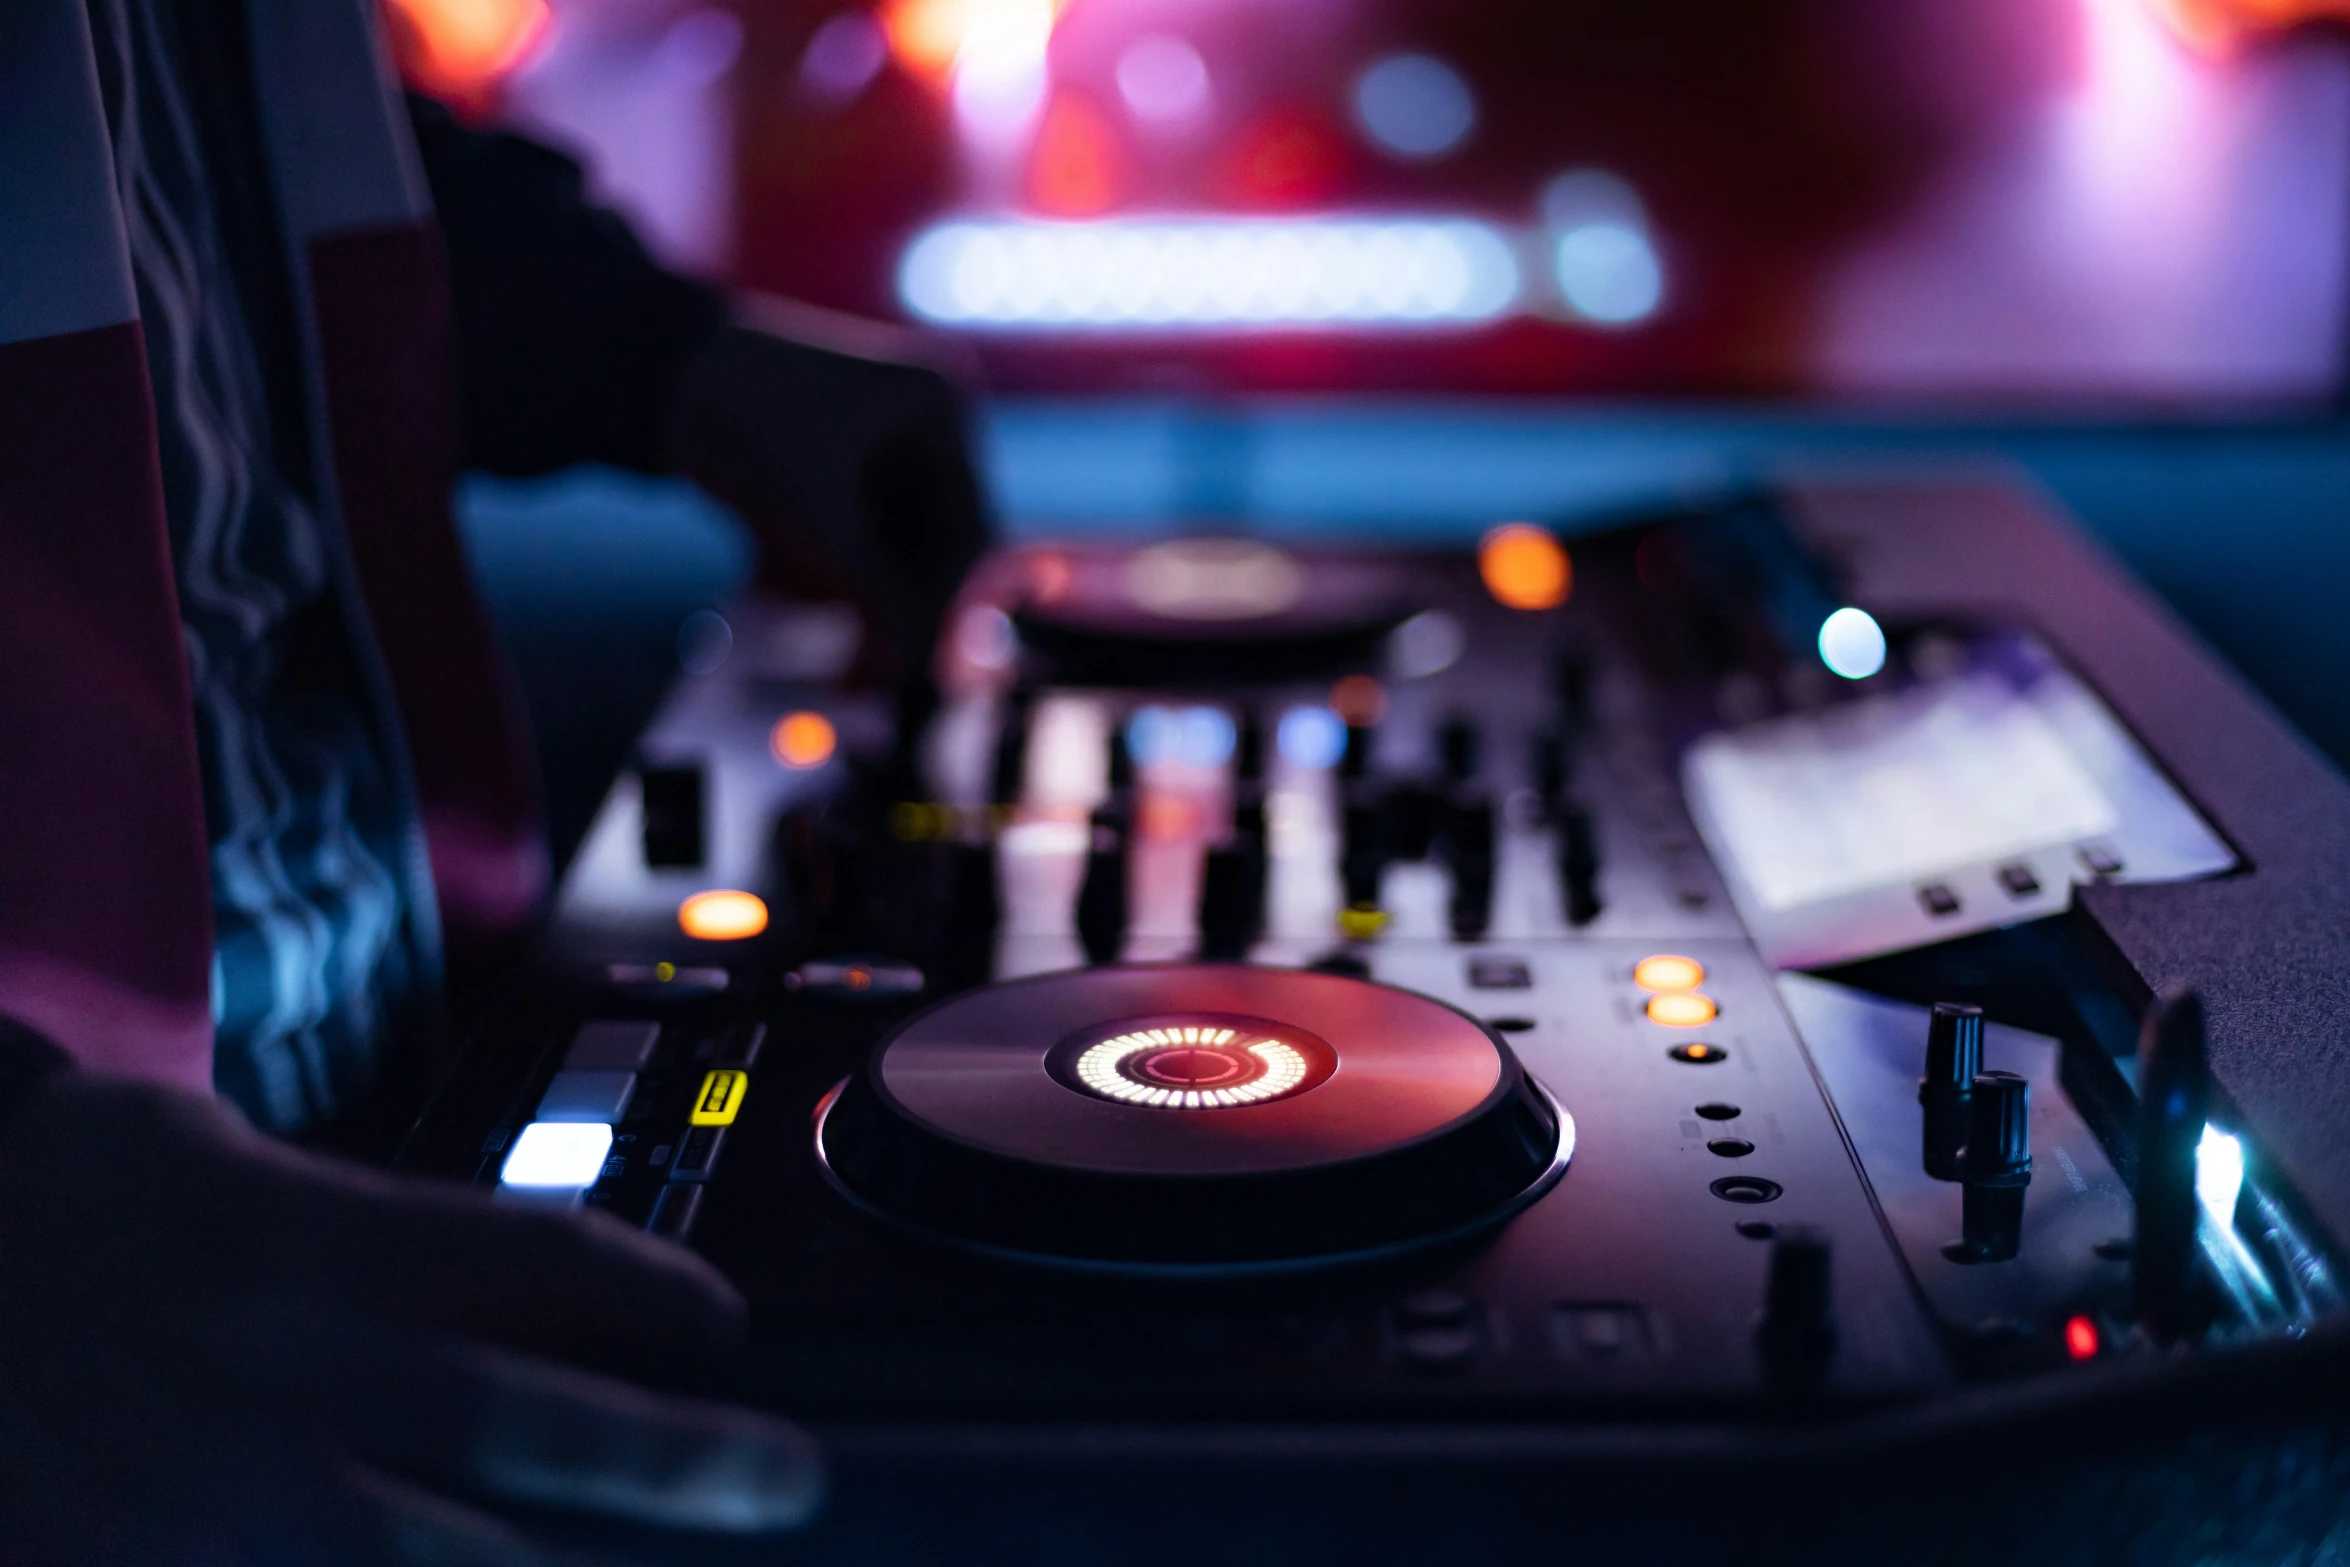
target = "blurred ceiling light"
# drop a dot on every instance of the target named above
(699, 47)
(1202, 274)
(460, 48)
(841, 60)
(1163, 80)
(1609, 274)
(1414, 106)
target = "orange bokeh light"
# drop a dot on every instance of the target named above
(1668, 971)
(722, 915)
(1681, 1009)
(461, 48)
(1360, 700)
(926, 35)
(803, 740)
(1524, 567)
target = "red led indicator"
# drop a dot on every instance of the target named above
(2080, 1338)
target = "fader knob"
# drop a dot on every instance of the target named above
(1461, 746)
(1797, 1334)
(1996, 1164)
(2174, 1100)
(1248, 748)
(1954, 1054)
(1101, 900)
(670, 803)
(1579, 865)
(1468, 838)
(1232, 888)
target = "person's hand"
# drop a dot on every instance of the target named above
(216, 1349)
(849, 459)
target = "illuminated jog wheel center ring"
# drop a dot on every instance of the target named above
(1194, 1061)
(1183, 1116)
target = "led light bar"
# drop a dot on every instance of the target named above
(557, 1155)
(1210, 275)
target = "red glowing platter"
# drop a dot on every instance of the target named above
(1192, 1115)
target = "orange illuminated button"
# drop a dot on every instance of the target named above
(803, 740)
(1668, 971)
(1524, 567)
(1681, 1009)
(722, 916)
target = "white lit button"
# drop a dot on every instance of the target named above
(587, 1096)
(557, 1155)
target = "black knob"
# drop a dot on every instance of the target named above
(1461, 746)
(670, 805)
(1468, 841)
(1364, 851)
(1996, 1165)
(1954, 1054)
(1101, 901)
(1248, 748)
(1232, 888)
(1121, 763)
(1579, 864)
(1998, 1149)
(1011, 748)
(1355, 761)
(1414, 815)
(2174, 1102)
(964, 955)
(1570, 675)
(1554, 766)
(1797, 1334)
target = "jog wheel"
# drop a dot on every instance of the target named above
(1192, 1117)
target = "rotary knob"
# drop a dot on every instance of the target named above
(1954, 1054)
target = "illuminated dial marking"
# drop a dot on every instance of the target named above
(1191, 1067)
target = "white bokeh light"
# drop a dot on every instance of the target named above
(1609, 273)
(1852, 643)
(1194, 274)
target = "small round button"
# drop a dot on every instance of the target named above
(1730, 1147)
(1699, 1054)
(1718, 1111)
(1746, 1188)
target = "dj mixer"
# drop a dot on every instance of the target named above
(1748, 1026)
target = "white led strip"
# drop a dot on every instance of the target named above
(1208, 274)
(1098, 1070)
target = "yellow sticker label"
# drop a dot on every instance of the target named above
(721, 1098)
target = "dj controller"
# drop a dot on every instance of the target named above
(1810, 1021)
